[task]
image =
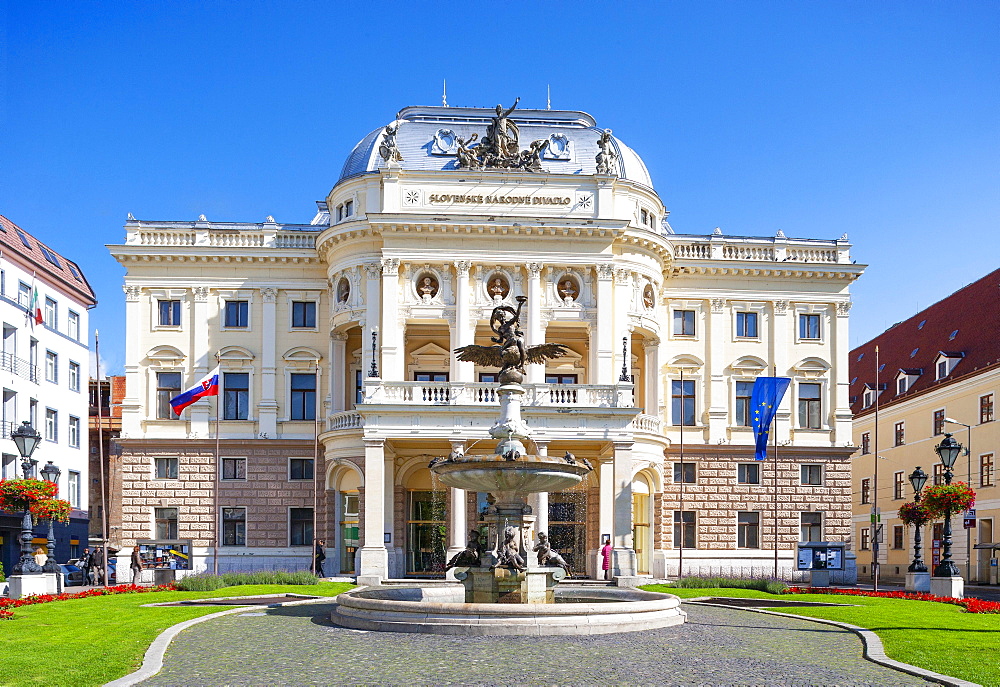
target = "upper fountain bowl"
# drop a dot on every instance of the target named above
(526, 475)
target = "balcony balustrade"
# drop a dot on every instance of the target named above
(19, 366)
(485, 394)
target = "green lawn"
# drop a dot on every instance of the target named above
(939, 637)
(91, 641)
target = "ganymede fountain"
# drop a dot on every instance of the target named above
(505, 590)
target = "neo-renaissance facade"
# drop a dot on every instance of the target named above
(335, 343)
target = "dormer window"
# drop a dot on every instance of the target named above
(906, 378)
(869, 397)
(946, 362)
(901, 385)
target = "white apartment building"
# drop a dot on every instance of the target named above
(44, 369)
(339, 385)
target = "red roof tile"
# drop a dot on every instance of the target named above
(15, 241)
(967, 322)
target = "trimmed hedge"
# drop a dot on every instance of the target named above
(207, 582)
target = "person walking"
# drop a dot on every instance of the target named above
(136, 565)
(97, 566)
(606, 559)
(320, 557)
(84, 564)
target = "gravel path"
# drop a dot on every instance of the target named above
(297, 645)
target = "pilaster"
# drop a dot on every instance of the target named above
(338, 372)
(535, 334)
(623, 561)
(199, 413)
(392, 345)
(267, 409)
(602, 337)
(715, 366)
(132, 404)
(462, 331)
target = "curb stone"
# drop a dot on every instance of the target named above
(874, 651)
(152, 661)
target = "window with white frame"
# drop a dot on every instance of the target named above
(300, 468)
(986, 408)
(865, 538)
(810, 406)
(234, 526)
(165, 520)
(684, 323)
(51, 424)
(685, 529)
(866, 443)
(24, 295)
(809, 326)
(302, 397)
(51, 313)
(866, 490)
(986, 470)
(169, 313)
(744, 391)
(74, 376)
(810, 527)
(748, 473)
(682, 402)
(235, 395)
(165, 467)
(811, 475)
(898, 491)
(73, 487)
(236, 314)
(234, 467)
(51, 367)
(748, 530)
(746, 325)
(74, 432)
(168, 385)
(945, 363)
(685, 472)
(868, 398)
(73, 325)
(303, 314)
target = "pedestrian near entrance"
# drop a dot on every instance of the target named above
(606, 559)
(320, 557)
(84, 565)
(97, 566)
(136, 565)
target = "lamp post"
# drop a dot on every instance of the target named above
(26, 439)
(50, 473)
(918, 478)
(948, 450)
(968, 461)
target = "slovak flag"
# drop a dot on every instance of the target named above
(207, 386)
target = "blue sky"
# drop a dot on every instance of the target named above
(881, 120)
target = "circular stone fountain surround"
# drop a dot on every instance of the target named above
(441, 609)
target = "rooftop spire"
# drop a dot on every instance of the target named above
(444, 93)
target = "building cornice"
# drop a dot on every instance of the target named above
(747, 451)
(940, 387)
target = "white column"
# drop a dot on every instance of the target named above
(374, 558)
(623, 562)
(392, 338)
(839, 377)
(389, 512)
(132, 404)
(338, 372)
(534, 333)
(602, 337)
(463, 332)
(267, 409)
(654, 382)
(202, 360)
(457, 517)
(718, 394)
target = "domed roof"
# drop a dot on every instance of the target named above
(426, 140)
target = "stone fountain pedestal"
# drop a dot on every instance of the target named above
(506, 586)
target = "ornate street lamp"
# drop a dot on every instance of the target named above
(948, 451)
(50, 473)
(26, 439)
(918, 478)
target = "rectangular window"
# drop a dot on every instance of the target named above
(300, 468)
(811, 527)
(359, 387)
(73, 485)
(234, 468)
(689, 472)
(866, 539)
(682, 406)
(304, 314)
(234, 526)
(748, 530)
(938, 422)
(51, 425)
(348, 208)
(170, 313)
(51, 367)
(986, 408)
(939, 473)
(166, 523)
(748, 473)
(303, 397)
(237, 314)
(437, 377)
(73, 325)
(898, 434)
(235, 395)
(24, 295)
(683, 322)
(898, 481)
(684, 529)
(897, 537)
(300, 526)
(812, 475)
(809, 406)
(74, 376)
(74, 432)
(986, 470)
(746, 325)
(901, 385)
(51, 313)
(168, 385)
(33, 411)
(744, 390)
(866, 490)
(166, 468)
(808, 326)
(866, 443)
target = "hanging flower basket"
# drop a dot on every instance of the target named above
(943, 498)
(51, 509)
(18, 494)
(914, 514)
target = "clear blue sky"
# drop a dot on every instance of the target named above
(881, 120)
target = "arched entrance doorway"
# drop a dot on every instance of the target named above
(642, 518)
(426, 529)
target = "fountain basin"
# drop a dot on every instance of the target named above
(527, 475)
(440, 610)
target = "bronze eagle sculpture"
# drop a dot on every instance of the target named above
(509, 353)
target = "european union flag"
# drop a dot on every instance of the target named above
(767, 394)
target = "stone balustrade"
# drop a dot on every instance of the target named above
(759, 249)
(481, 393)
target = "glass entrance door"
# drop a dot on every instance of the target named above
(640, 532)
(426, 539)
(348, 531)
(568, 528)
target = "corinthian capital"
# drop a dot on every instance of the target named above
(131, 292)
(390, 267)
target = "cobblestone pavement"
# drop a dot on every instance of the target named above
(298, 645)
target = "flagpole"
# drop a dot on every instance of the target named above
(100, 458)
(774, 429)
(680, 561)
(875, 524)
(215, 490)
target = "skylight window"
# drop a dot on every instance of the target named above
(49, 255)
(922, 323)
(881, 367)
(72, 269)
(854, 380)
(24, 239)
(953, 335)
(860, 356)
(914, 352)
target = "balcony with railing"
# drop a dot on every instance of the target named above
(485, 394)
(760, 249)
(19, 366)
(221, 235)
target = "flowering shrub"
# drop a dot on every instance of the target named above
(50, 509)
(914, 513)
(19, 494)
(7, 604)
(954, 497)
(971, 605)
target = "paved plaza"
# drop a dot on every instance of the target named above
(297, 645)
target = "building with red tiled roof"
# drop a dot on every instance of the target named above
(936, 372)
(44, 368)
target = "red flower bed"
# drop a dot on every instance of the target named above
(970, 604)
(7, 604)
(17, 494)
